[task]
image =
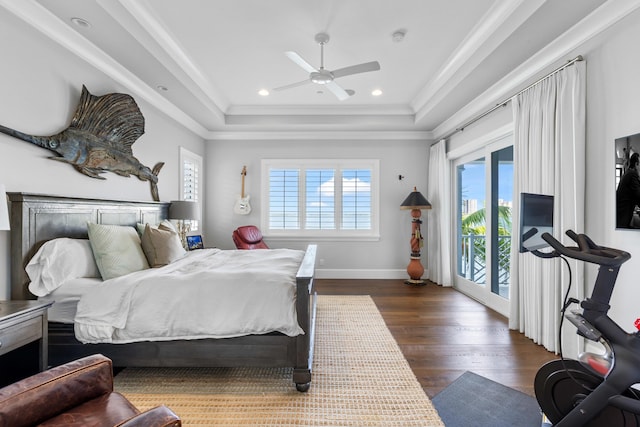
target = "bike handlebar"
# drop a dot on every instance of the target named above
(587, 250)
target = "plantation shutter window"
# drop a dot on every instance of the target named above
(320, 198)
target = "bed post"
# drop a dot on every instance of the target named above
(21, 249)
(306, 310)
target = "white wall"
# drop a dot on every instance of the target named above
(40, 85)
(613, 111)
(386, 258)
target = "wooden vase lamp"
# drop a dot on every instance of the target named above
(416, 202)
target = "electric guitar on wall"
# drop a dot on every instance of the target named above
(242, 206)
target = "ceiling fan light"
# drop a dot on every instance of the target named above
(321, 78)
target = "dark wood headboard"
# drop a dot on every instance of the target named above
(37, 218)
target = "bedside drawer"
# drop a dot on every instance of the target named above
(19, 334)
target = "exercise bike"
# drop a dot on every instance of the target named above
(594, 390)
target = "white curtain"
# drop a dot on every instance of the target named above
(549, 158)
(439, 216)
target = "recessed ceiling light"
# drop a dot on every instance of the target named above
(263, 92)
(162, 88)
(82, 23)
(376, 92)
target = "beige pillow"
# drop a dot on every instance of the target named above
(165, 222)
(161, 245)
(116, 249)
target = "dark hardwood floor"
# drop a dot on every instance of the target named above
(443, 333)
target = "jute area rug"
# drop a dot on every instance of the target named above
(360, 378)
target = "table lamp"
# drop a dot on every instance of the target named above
(416, 202)
(184, 211)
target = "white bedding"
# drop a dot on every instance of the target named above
(65, 298)
(209, 293)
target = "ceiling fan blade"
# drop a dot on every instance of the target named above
(292, 85)
(340, 93)
(301, 62)
(356, 69)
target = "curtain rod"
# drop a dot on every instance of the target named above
(504, 103)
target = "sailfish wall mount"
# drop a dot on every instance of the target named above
(99, 138)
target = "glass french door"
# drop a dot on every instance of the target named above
(484, 197)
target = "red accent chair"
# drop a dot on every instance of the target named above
(248, 237)
(78, 393)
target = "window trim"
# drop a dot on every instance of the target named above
(334, 235)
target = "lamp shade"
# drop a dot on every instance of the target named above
(184, 209)
(415, 200)
(4, 210)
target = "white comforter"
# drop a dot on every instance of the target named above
(209, 293)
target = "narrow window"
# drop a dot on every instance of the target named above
(191, 176)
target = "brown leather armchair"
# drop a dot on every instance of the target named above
(78, 393)
(248, 237)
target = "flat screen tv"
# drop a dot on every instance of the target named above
(536, 218)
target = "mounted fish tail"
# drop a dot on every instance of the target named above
(100, 138)
(154, 181)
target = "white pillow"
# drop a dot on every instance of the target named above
(59, 260)
(117, 250)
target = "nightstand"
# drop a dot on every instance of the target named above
(23, 339)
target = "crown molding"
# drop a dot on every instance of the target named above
(160, 38)
(48, 24)
(554, 53)
(500, 21)
(385, 118)
(320, 110)
(213, 136)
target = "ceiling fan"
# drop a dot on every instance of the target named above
(324, 77)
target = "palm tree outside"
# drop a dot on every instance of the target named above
(473, 231)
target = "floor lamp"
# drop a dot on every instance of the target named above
(416, 202)
(183, 211)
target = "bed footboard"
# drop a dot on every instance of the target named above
(306, 310)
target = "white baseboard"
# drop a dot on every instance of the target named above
(322, 273)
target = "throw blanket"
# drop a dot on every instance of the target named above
(209, 293)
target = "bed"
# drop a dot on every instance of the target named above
(36, 219)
